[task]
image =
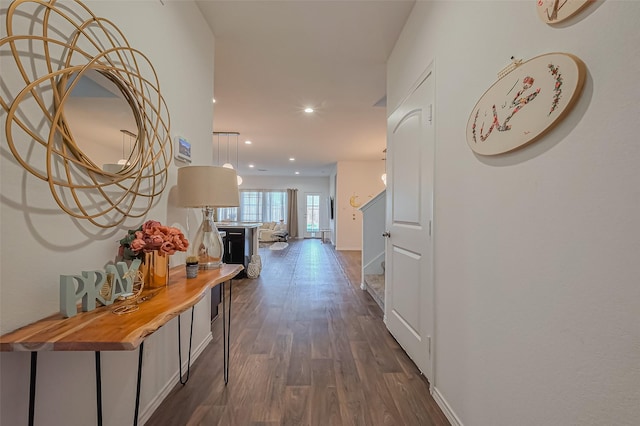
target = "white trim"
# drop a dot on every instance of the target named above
(431, 69)
(153, 405)
(428, 73)
(423, 76)
(343, 248)
(445, 407)
(363, 286)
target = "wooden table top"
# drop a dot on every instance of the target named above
(102, 330)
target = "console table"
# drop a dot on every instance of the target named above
(102, 330)
(323, 233)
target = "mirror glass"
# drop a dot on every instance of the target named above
(101, 121)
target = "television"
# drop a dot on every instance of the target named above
(330, 204)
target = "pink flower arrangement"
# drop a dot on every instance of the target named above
(152, 235)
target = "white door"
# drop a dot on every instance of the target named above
(312, 215)
(409, 292)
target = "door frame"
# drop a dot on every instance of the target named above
(317, 234)
(428, 72)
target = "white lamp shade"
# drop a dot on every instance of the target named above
(207, 186)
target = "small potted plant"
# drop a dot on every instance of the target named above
(192, 266)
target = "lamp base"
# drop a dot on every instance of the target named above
(210, 265)
(207, 244)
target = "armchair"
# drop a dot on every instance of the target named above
(272, 231)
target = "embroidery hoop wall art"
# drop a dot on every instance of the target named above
(525, 103)
(554, 11)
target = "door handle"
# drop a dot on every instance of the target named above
(386, 234)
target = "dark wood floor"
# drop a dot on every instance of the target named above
(308, 347)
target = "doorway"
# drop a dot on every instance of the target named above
(312, 215)
(409, 304)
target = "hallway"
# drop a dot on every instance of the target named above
(308, 347)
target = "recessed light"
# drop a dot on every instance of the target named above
(251, 166)
(213, 100)
(292, 159)
(308, 110)
(248, 142)
(297, 173)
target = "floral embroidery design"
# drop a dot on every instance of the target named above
(517, 104)
(555, 71)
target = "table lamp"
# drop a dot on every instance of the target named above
(207, 187)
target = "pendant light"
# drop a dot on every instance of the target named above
(228, 164)
(125, 160)
(239, 177)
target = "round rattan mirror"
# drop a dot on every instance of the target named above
(74, 44)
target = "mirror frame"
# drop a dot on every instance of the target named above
(78, 185)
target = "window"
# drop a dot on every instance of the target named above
(228, 214)
(313, 213)
(257, 206)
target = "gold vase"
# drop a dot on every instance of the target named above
(155, 269)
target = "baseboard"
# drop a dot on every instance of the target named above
(363, 286)
(343, 248)
(445, 407)
(157, 400)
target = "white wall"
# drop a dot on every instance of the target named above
(359, 179)
(304, 185)
(40, 242)
(536, 252)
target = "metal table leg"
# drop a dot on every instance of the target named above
(32, 386)
(226, 323)
(135, 418)
(186, 379)
(98, 388)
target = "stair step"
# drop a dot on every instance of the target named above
(375, 286)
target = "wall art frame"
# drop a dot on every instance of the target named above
(525, 103)
(556, 11)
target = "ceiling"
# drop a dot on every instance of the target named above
(273, 59)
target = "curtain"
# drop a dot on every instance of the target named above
(292, 198)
